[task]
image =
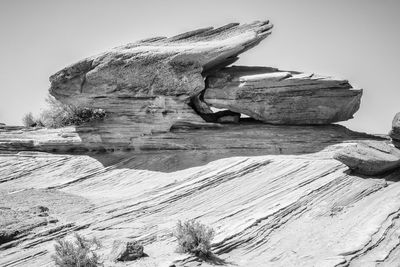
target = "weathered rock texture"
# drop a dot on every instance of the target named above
(395, 132)
(146, 86)
(126, 251)
(24, 213)
(303, 210)
(273, 193)
(249, 137)
(282, 97)
(372, 158)
(158, 66)
(152, 85)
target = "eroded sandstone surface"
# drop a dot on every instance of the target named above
(274, 194)
(282, 97)
(152, 85)
(372, 158)
(145, 87)
(292, 210)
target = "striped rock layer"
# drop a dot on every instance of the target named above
(282, 97)
(152, 85)
(271, 210)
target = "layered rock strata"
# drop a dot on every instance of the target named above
(146, 86)
(282, 97)
(251, 138)
(372, 158)
(176, 159)
(303, 210)
(151, 86)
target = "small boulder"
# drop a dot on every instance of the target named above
(127, 251)
(371, 158)
(395, 132)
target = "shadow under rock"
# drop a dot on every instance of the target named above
(215, 260)
(188, 145)
(210, 259)
(390, 176)
(393, 176)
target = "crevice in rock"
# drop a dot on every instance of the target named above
(211, 115)
(215, 66)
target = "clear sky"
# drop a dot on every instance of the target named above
(354, 39)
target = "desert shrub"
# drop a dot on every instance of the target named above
(77, 253)
(30, 121)
(194, 237)
(81, 115)
(60, 115)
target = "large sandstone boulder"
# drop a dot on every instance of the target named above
(145, 87)
(372, 158)
(395, 132)
(157, 66)
(154, 85)
(282, 97)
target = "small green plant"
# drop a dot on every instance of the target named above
(77, 253)
(194, 237)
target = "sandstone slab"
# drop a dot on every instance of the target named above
(24, 216)
(373, 158)
(282, 97)
(270, 210)
(157, 66)
(248, 137)
(146, 86)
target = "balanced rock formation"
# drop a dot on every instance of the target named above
(371, 158)
(157, 66)
(157, 84)
(273, 193)
(395, 132)
(146, 86)
(282, 97)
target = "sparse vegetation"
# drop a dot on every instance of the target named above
(77, 253)
(60, 115)
(194, 237)
(30, 121)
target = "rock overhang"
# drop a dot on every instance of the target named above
(282, 97)
(152, 85)
(161, 66)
